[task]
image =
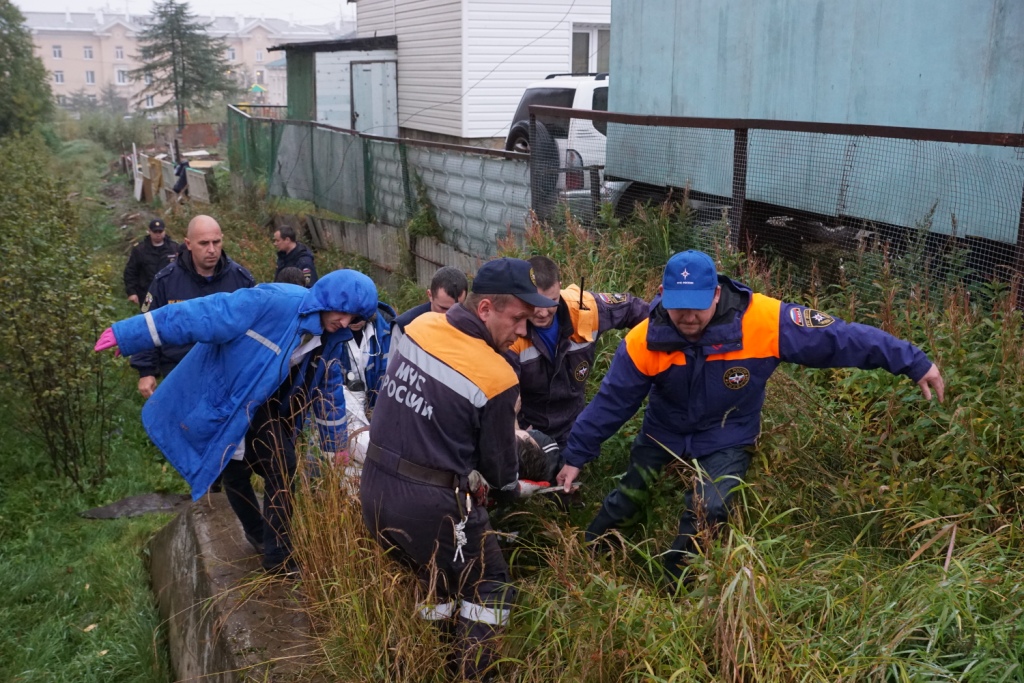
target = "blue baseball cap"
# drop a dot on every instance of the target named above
(690, 281)
(510, 276)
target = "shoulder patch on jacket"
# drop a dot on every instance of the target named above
(148, 302)
(611, 299)
(815, 319)
(471, 357)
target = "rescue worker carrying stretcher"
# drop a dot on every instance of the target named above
(557, 353)
(704, 357)
(446, 407)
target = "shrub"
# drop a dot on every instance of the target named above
(54, 304)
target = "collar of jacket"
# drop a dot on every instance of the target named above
(463, 320)
(568, 324)
(184, 262)
(168, 242)
(723, 334)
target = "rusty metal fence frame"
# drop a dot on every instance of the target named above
(741, 130)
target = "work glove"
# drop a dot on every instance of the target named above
(479, 488)
(107, 340)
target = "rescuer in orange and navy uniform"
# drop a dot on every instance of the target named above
(446, 409)
(557, 353)
(704, 357)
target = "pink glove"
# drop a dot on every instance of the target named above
(106, 341)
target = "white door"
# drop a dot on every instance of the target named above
(375, 98)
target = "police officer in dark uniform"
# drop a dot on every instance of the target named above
(148, 258)
(446, 408)
(557, 353)
(201, 268)
(293, 254)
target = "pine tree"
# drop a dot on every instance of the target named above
(25, 97)
(184, 65)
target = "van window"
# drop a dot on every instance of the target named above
(600, 103)
(550, 97)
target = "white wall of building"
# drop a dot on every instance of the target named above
(430, 59)
(511, 44)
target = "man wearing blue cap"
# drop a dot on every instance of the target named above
(228, 406)
(704, 357)
(447, 408)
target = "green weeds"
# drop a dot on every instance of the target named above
(877, 539)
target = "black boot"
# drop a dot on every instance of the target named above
(475, 649)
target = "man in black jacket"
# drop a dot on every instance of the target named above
(557, 353)
(291, 253)
(447, 288)
(445, 409)
(148, 258)
(201, 268)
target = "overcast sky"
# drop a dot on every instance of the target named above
(307, 11)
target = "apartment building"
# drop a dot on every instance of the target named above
(88, 51)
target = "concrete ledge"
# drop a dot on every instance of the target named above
(227, 622)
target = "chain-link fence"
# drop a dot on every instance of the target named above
(467, 197)
(803, 192)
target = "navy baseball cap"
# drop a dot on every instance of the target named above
(156, 225)
(690, 281)
(510, 276)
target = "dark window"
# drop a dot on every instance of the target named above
(600, 103)
(604, 39)
(550, 97)
(581, 53)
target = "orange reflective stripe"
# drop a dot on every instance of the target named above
(760, 339)
(520, 345)
(584, 323)
(469, 356)
(760, 331)
(646, 361)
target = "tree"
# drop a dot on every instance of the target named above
(81, 101)
(112, 101)
(25, 97)
(183, 65)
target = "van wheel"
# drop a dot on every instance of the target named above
(639, 193)
(519, 142)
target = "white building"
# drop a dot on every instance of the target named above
(463, 64)
(87, 51)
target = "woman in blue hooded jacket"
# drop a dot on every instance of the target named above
(230, 399)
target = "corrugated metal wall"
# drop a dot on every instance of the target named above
(476, 197)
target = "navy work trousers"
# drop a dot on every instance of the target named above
(707, 503)
(468, 591)
(270, 454)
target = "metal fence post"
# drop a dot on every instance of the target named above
(595, 193)
(739, 186)
(1018, 261)
(410, 199)
(312, 163)
(368, 182)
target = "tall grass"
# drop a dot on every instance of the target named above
(878, 538)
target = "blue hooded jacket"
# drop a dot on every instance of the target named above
(199, 415)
